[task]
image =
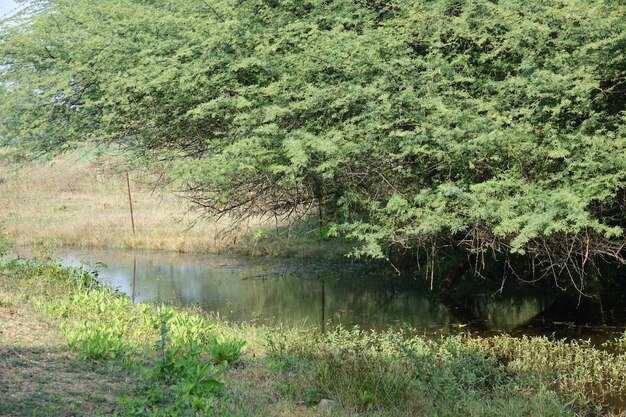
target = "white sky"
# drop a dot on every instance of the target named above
(8, 7)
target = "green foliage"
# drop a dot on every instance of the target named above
(576, 368)
(6, 302)
(621, 342)
(398, 373)
(228, 351)
(95, 342)
(311, 396)
(280, 363)
(184, 366)
(260, 234)
(323, 233)
(491, 125)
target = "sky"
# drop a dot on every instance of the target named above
(8, 7)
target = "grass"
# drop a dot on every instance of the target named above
(75, 202)
(39, 376)
(74, 348)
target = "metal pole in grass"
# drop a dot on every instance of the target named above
(130, 203)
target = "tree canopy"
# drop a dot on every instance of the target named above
(491, 125)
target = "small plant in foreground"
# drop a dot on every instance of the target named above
(6, 302)
(96, 343)
(310, 396)
(228, 351)
(621, 342)
(184, 368)
(280, 363)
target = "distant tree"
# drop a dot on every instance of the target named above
(489, 126)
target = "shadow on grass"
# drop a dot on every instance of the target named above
(50, 382)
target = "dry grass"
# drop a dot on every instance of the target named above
(75, 203)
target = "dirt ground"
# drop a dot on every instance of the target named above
(39, 376)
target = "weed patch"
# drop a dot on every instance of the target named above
(93, 342)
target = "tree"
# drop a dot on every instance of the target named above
(492, 126)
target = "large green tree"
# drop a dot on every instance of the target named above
(488, 125)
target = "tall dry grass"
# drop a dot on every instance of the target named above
(74, 203)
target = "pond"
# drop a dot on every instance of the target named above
(321, 294)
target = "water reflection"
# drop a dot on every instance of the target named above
(297, 292)
(507, 314)
(266, 290)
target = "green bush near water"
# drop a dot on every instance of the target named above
(179, 361)
(496, 127)
(93, 342)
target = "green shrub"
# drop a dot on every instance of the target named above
(621, 342)
(576, 369)
(228, 351)
(281, 363)
(93, 342)
(184, 327)
(184, 366)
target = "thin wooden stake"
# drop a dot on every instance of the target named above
(130, 203)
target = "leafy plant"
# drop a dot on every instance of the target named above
(94, 342)
(192, 378)
(6, 302)
(310, 396)
(260, 234)
(183, 327)
(281, 363)
(165, 356)
(228, 351)
(622, 341)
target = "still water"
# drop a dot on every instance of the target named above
(300, 292)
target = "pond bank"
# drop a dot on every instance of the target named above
(159, 361)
